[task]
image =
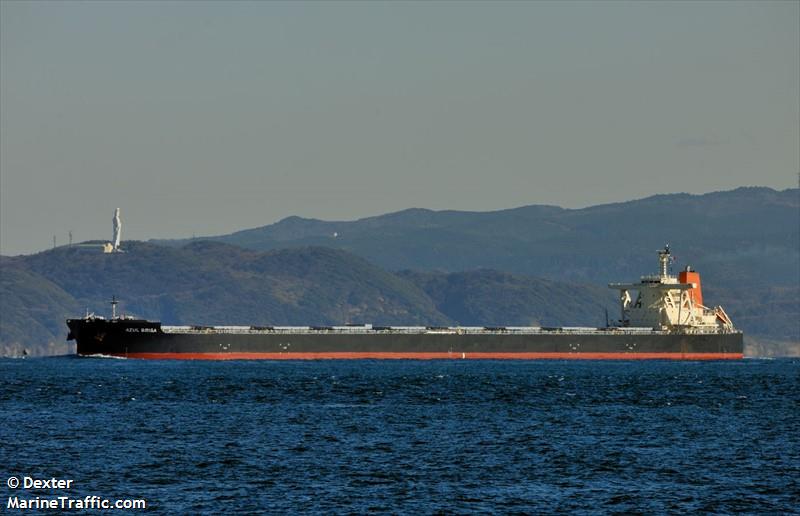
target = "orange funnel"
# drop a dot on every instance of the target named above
(695, 293)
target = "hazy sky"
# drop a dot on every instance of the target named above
(204, 117)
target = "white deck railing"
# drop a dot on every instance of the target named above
(406, 330)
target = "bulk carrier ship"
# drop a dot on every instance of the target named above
(662, 317)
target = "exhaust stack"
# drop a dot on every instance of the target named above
(688, 276)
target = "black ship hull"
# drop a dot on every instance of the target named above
(146, 339)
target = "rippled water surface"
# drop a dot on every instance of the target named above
(405, 436)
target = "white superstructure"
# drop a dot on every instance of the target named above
(665, 302)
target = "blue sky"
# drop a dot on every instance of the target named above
(205, 117)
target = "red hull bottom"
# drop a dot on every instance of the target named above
(433, 356)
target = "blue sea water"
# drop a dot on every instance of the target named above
(407, 436)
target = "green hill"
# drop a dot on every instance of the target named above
(215, 283)
(492, 298)
(223, 284)
(32, 312)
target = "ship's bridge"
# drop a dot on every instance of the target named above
(666, 302)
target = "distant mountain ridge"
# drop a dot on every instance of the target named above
(598, 243)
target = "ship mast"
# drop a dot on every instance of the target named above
(663, 261)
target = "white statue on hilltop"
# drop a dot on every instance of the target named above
(117, 230)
